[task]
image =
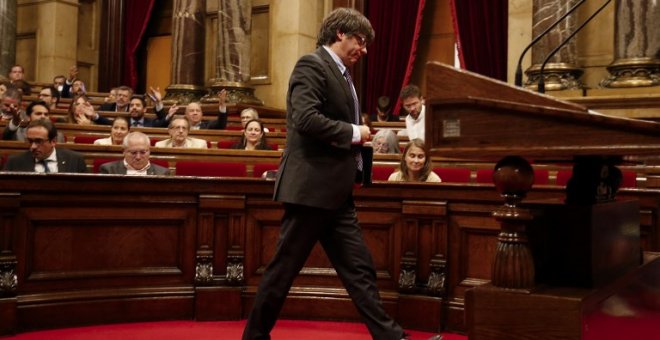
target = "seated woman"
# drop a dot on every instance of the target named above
(385, 141)
(178, 129)
(253, 137)
(82, 112)
(415, 166)
(118, 131)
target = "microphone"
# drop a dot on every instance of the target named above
(518, 76)
(541, 85)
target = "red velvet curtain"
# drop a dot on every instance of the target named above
(137, 17)
(481, 32)
(391, 56)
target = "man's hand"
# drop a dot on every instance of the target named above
(365, 133)
(155, 94)
(172, 111)
(73, 73)
(222, 100)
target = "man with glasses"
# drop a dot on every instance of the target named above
(136, 158)
(50, 95)
(122, 100)
(42, 156)
(413, 103)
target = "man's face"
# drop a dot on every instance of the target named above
(136, 108)
(47, 96)
(9, 106)
(137, 153)
(246, 117)
(39, 112)
(178, 130)
(123, 98)
(194, 113)
(58, 81)
(40, 146)
(16, 73)
(413, 105)
(350, 48)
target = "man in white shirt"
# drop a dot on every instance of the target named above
(413, 103)
(136, 158)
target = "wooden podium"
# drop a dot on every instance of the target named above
(532, 293)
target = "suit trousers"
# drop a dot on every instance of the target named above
(341, 238)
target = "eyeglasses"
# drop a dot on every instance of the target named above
(361, 39)
(44, 95)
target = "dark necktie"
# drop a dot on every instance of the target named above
(44, 162)
(356, 118)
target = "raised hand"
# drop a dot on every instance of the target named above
(155, 94)
(172, 111)
(222, 97)
(73, 73)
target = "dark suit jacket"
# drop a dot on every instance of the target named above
(217, 124)
(67, 161)
(159, 121)
(118, 168)
(318, 167)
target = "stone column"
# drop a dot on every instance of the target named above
(7, 35)
(57, 40)
(233, 56)
(561, 72)
(636, 45)
(188, 32)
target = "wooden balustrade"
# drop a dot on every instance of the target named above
(121, 248)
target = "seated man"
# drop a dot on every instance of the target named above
(123, 96)
(137, 108)
(413, 103)
(11, 103)
(36, 110)
(136, 158)
(43, 156)
(50, 95)
(178, 130)
(384, 111)
(194, 111)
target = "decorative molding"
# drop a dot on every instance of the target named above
(235, 270)
(408, 274)
(8, 278)
(204, 269)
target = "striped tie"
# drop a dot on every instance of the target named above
(356, 152)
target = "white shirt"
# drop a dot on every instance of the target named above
(414, 127)
(51, 161)
(133, 172)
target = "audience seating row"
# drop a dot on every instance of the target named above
(204, 169)
(465, 175)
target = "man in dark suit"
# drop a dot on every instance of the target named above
(194, 112)
(136, 158)
(137, 108)
(41, 134)
(316, 177)
(122, 100)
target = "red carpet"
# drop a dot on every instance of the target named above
(220, 330)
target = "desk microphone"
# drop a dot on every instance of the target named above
(541, 85)
(518, 77)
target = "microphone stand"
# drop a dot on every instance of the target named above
(518, 76)
(541, 85)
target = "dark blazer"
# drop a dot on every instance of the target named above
(67, 161)
(110, 107)
(159, 121)
(318, 168)
(217, 124)
(118, 168)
